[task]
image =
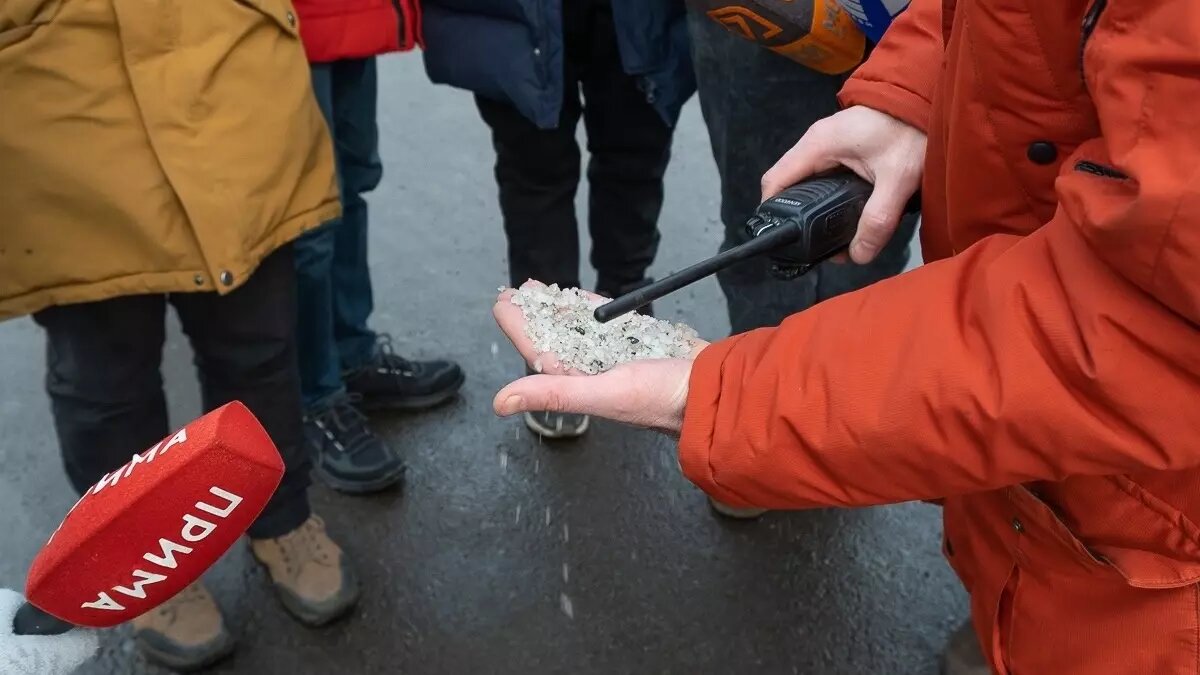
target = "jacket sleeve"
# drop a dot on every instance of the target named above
(1074, 350)
(900, 75)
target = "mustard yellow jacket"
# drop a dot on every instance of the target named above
(151, 146)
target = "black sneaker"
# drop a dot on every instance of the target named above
(390, 382)
(346, 454)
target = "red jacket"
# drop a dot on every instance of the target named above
(1042, 372)
(352, 29)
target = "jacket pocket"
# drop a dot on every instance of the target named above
(1102, 170)
(20, 18)
(1113, 525)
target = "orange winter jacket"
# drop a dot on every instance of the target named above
(1041, 375)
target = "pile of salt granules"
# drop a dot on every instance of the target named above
(560, 321)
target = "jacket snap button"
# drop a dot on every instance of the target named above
(1042, 152)
(291, 19)
(226, 277)
(199, 279)
(1017, 525)
(537, 51)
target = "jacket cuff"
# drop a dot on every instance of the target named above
(906, 106)
(700, 419)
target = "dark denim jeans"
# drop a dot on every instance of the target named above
(334, 281)
(104, 377)
(757, 104)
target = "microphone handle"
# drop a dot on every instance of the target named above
(32, 621)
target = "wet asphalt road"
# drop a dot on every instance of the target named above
(503, 555)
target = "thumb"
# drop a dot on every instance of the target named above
(879, 219)
(591, 395)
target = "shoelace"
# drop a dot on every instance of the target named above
(307, 542)
(347, 419)
(389, 359)
(191, 594)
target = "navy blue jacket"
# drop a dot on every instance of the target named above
(512, 50)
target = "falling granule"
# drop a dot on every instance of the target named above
(632, 554)
(566, 573)
(517, 432)
(537, 466)
(495, 349)
(566, 533)
(518, 520)
(547, 516)
(503, 460)
(564, 603)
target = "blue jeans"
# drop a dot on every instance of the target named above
(334, 282)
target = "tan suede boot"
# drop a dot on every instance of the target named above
(963, 655)
(186, 632)
(311, 574)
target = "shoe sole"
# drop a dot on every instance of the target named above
(735, 513)
(340, 607)
(361, 488)
(554, 434)
(311, 618)
(222, 648)
(413, 403)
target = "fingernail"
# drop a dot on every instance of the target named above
(861, 251)
(513, 405)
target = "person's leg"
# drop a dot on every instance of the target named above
(348, 456)
(369, 369)
(537, 173)
(756, 105)
(245, 349)
(103, 375)
(630, 146)
(320, 368)
(103, 378)
(354, 87)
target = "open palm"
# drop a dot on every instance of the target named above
(649, 393)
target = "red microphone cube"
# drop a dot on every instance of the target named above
(150, 528)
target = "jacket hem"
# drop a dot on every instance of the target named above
(149, 283)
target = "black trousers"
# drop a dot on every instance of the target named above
(538, 170)
(106, 390)
(756, 105)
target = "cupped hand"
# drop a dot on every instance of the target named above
(878, 147)
(648, 393)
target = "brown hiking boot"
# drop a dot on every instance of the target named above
(186, 632)
(314, 581)
(962, 655)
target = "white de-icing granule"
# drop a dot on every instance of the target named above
(561, 321)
